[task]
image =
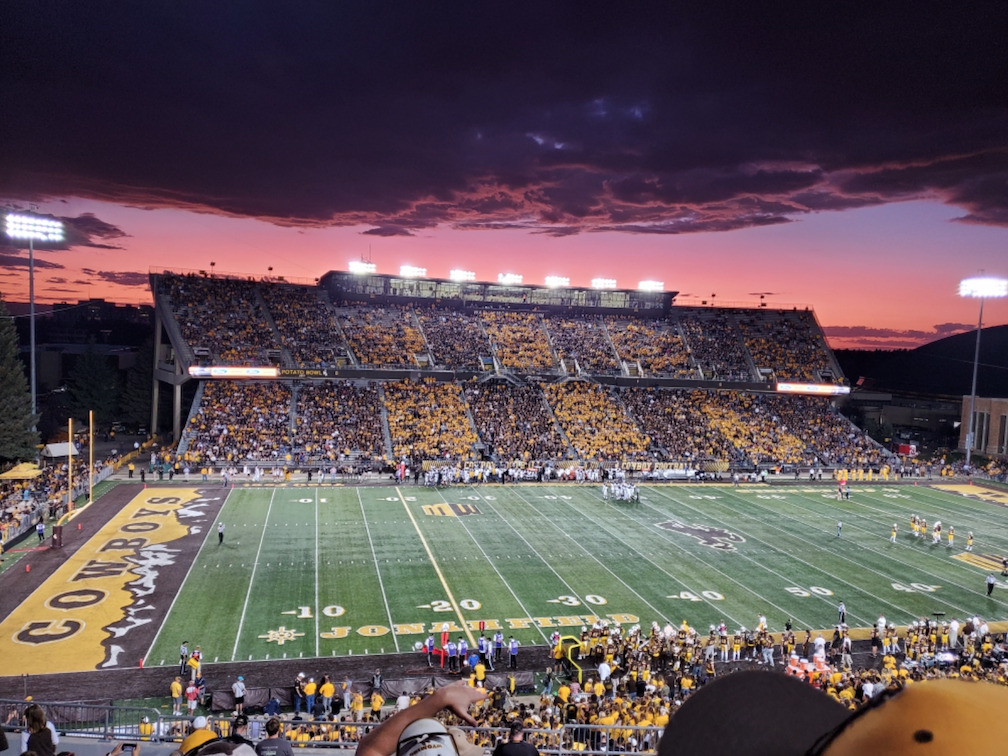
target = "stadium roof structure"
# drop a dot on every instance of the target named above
(377, 288)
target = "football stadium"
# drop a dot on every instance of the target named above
(443, 379)
(399, 472)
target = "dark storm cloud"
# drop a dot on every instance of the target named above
(16, 261)
(122, 278)
(555, 118)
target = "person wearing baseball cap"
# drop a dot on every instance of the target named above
(753, 713)
(201, 735)
(407, 733)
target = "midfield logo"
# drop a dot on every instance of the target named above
(716, 538)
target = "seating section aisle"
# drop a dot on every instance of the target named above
(654, 344)
(595, 422)
(428, 421)
(221, 315)
(307, 325)
(786, 343)
(716, 346)
(584, 340)
(519, 340)
(383, 337)
(456, 340)
(514, 422)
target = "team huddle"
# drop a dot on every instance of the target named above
(919, 528)
(621, 491)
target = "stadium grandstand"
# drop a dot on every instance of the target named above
(370, 368)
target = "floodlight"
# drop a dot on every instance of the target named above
(462, 275)
(408, 271)
(360, 267)
(983, 287)
(603, 283)
(32, 227)
(651, 286)
(509, 279)
(557, 282)
(979, 287)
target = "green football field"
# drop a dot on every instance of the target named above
(332, 571)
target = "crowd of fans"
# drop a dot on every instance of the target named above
(750, 427)
(455, 339)
(788, 345)
(835, 441)
(383, 336)
(583, 339)
(428, 420)
(307, 325)
(655, 345)
(674, 420)
(716, 346)
(514, 422)
(337, 419)
(595, 422)
(519, 340)
(240, 421)
(221, 315)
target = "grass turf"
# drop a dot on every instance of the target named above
(308, 572)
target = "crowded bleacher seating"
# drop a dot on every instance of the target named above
(307, 325)
(241, 421)
(784, 343)
(383, 336)
(519, 340)
(595, 422)
(583, 339)
(751, 427)
(221, 315)
(715, 345)
(674, 420)
(655, 345)
(514, 422)
(428, 420)
(456, 340)
(336, 420)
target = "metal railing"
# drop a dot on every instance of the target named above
(104, 722)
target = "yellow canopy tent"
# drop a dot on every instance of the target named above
(24, 471)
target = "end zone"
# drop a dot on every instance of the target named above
(102, 605)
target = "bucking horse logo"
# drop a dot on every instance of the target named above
(716, 538)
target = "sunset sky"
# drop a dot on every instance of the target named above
(856, 161)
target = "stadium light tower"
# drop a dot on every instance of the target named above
(980, 287)
(33, 228)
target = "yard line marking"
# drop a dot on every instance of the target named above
(767, 569)
(316, 577)
(703, 598)
(508, 585)
(186, 578)
(518, 533)
(909, 565)
(444, 583)
(255, 565)
(381, 584)
(654, 608)
(866, 592)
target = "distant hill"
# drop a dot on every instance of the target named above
(941, 367)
